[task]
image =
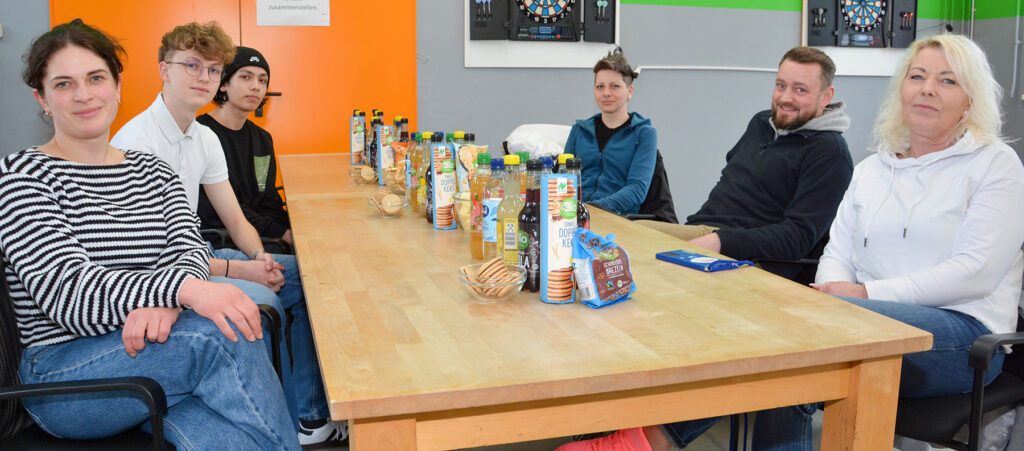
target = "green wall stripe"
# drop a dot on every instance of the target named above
(926, 9)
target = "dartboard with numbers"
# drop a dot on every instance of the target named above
(862, 15)
(545, 11)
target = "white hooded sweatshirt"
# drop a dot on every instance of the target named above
(942, 230)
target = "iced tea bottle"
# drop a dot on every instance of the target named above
(508, 214)
(524, 178)
(413, 167)
(562, 158)
(494, 191)
(529, 228)
(481, 176)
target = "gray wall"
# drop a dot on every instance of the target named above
(699, 114)
(20, 125)
(996, 37)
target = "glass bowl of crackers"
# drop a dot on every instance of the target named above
(493, 280)
(363, 175)
(386, 205)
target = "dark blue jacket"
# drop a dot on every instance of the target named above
(617, 178)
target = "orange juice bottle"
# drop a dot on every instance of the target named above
(524, 177)
(481, 176)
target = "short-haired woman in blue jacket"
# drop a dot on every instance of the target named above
(618, 148)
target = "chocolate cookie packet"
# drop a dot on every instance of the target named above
(601, 269)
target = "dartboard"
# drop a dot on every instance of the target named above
(545, 11)
(862, 15)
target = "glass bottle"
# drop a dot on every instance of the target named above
(575, 166)
(434, 139)
(508, 213)
(529, 227)
(494, 191)
(477, 183)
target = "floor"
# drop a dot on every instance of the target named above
(715, 439)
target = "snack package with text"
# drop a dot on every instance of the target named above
(385, 154)
(601, 269)
(442, 167)
(557, 231)
(357, 132)
(465, 159)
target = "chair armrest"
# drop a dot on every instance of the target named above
(799, 261)
(636, 216)
(273, 319)
(276, 246)
(217, 237)
(151, 391)
(985, 346)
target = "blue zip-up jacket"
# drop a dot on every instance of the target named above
(617, 178)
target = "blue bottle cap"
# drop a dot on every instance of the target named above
(497, 163)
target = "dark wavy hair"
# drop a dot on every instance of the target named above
(74, 33)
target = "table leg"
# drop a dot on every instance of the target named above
(391, 433)
(866, 419)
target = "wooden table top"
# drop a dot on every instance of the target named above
(397, 334)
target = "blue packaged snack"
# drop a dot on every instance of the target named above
(699, 261)
(601, 269)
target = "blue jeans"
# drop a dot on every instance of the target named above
(304, 389)
(220, 395)
(941, 371)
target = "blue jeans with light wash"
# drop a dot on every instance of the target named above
(220, 394)
(941, 371)
(300, 370)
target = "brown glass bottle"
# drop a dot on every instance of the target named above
(529, 228)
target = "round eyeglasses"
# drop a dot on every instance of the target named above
(195, 67)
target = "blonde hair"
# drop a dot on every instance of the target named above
(969, 64)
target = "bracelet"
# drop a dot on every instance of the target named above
(227, 268)
(257, 254)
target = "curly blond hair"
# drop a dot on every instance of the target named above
(208, 39)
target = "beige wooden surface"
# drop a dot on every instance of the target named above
(401, 343)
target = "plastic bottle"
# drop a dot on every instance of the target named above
(524, 179)
(547, 164)
(508, 213)
(562, 157)
(494, 191)
(470, 138)
(575, 166)
(529, 227)
(481, 176)
(424, 169)
(412, 181)
(358, 134)
(459, 137)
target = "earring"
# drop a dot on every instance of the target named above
(49, 114)
(118, 100)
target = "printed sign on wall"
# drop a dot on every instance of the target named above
(310, 13)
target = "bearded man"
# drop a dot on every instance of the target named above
(784, 179)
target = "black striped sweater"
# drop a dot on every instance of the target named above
(83, 245)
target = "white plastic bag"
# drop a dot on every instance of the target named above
(541, 140)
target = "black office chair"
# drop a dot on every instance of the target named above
(17, 432)
(658, 205)
(937, 419)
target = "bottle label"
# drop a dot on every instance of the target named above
(490, 217)
(510, 241)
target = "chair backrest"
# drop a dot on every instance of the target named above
(13, 417)
(659, 197)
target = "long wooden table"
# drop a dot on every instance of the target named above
(415, 363)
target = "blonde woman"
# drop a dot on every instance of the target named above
(930, 230)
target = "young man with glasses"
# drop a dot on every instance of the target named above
(191, 64)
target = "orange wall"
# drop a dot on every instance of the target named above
(365, 59)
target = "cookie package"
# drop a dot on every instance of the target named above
(557, 230)
(601, 269)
